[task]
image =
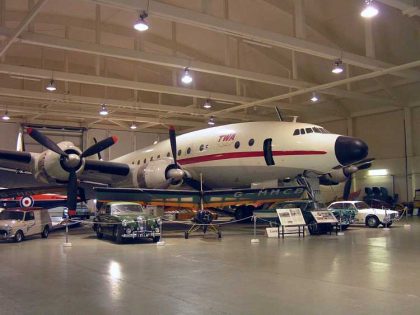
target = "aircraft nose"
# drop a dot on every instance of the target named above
(349, 150)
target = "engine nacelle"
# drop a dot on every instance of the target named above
(157, 174)
(337, 176)
(49, 166)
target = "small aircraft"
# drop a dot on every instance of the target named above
(227, 157)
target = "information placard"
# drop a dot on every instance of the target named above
(292, 216)
(324, 216)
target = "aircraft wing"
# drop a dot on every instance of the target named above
(26, 191)
(17, 160)
(192, 198)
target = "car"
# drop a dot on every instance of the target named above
(371, 217)
(18, 223)
(306, 206)
(124, 220)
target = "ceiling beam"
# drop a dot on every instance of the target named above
(212, 23)
(366, 76)
(176, 62)
(22, 25)
(406, 8)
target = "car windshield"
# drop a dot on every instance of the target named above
(11, 215)
(361, 205)
(127, 208)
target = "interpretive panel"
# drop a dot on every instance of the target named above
(324, 216)
(292, 216)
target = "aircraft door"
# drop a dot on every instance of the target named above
(268, 152)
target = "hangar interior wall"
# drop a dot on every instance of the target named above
(393, 139)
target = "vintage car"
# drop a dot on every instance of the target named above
(364, 214)
(122, 220)
(307, 207)
(18, 223)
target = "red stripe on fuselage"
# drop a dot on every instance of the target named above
(239, 155)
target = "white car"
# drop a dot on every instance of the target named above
(364, 214)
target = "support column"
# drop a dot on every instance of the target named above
(410, 178)
(369, 43)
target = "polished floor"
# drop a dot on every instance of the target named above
(366, 271)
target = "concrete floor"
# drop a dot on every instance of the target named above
(366, 271)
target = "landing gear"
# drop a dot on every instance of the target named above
(203, 221)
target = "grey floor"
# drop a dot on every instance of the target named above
(366, 271)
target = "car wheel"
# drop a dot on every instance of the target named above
(45, 232)
(118, 234)
(19, 236)
(313, 228)
(372, 221)
(344, 227)
(99, 233)
(219, 234)
(156, 239)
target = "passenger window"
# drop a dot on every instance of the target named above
(29, 216)
(144, 161)
(251, 142)
(296, 133)
(308, 130)
(201, 147)
(302, 131)
(138, 162)
(158, 157)
(151, 159)
(188, 150)
(168, 154)
(237, 144)
(179, 152)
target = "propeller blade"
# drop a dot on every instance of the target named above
(172, 139)
(99, 146)
(45, 141)
(347, 187)
(99, 153)
(367, 160)
(364, 166)
(72, 191)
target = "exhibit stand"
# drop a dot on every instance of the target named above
(67, 243)
(255, 240)
(161, 241)
(290, 218)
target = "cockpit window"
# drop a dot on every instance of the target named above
(309, 130)
(317, 130)
(302, 131)
(296, 133)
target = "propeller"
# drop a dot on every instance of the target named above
(71, 162)
(361, 165)
(99, 154)
(177, 173)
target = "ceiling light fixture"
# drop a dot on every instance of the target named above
(141, 24)
(211, 121)
(338, 67)
(369, 10)
(103, 111)
(51, 86)
(6, 116)
(186, 77)
(133, 126)
(207, 104)
(314, 98)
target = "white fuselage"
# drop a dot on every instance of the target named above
(235, 155)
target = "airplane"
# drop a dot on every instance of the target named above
(226, 157)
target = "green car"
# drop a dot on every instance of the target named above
(122, 220)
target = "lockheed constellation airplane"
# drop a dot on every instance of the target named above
(226, 157)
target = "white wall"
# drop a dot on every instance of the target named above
(384, 133)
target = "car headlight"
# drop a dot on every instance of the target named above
(158, 221)
(140, 219)
(124, 222)
(128, 231)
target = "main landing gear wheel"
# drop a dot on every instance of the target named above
(186, 235)
(219, 234)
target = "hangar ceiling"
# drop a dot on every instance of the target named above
(245, 56)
